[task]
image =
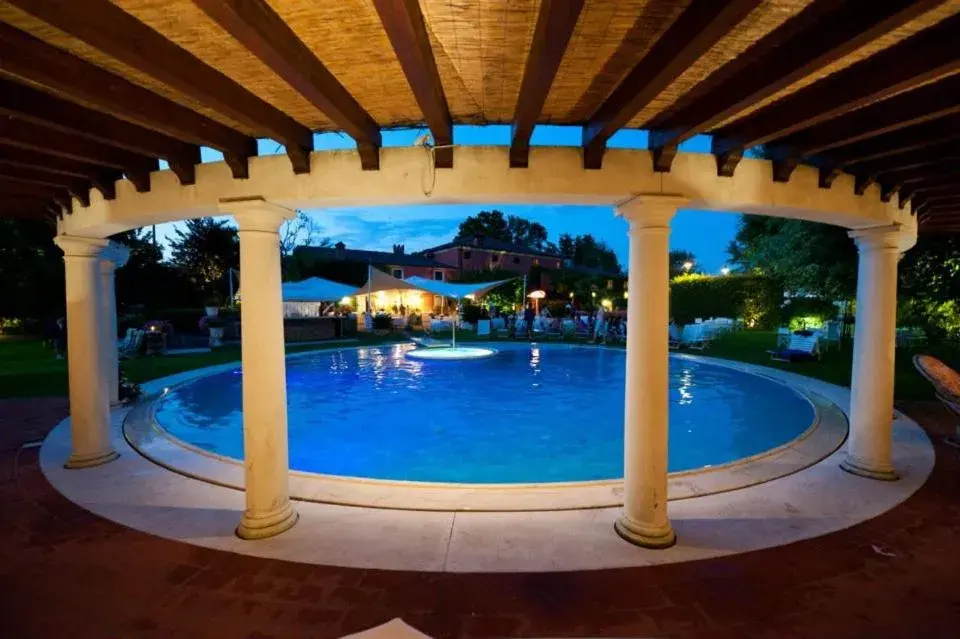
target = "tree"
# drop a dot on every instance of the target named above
(148, 281)
(807, 257)
(593, 253)
(302, 230)
(490, 224)
(31, 271)
(204, 250)
(527, 233)
(679, 261)
(929, 290)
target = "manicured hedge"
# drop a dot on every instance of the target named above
(753, 298)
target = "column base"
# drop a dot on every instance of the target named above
(269, 524)
(855, 467)
(639, 535)
(89, 461)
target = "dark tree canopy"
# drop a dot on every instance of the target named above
(204, 250)
(148, 281)
(808, 257)
(513, 228)
(31, 271)
(588, 251)
(679, 259)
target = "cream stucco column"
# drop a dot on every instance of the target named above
(112, 258)
(89, 403)
(644, 519)
(266, 458)
(874, 345)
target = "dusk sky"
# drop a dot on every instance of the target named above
(706, 234)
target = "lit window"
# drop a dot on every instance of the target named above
(536, 261)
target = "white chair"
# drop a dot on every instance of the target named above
(802, 345)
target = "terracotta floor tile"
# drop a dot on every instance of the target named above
(107, 581)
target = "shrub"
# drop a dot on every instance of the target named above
(808, 312)
(754, 298)
(472, 313)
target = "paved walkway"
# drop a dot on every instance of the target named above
(65, 573)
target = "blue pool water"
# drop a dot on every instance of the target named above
(527, 414)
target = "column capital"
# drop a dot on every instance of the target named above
(76, 246)
(877, 237)
(651, 210)
(256, 214)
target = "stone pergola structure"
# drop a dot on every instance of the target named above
(844, 112)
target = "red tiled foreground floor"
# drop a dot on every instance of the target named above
(65, 573)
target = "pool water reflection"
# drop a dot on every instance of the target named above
(528, 414)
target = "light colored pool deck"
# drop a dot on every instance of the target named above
(813, 501)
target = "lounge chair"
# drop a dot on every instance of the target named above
(673, 337)
(696, 336)
(131, 345)
(553, 331)
(803, 346)
(946, 384)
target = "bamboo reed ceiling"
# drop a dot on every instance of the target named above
(286, 68)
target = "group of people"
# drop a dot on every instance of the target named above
(598, 326)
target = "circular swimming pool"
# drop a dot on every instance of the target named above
(531, 413)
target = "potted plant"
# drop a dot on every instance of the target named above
(216, 325)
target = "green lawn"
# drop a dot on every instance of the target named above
(28, 369)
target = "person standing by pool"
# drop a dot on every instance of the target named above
(528, 317)
(600, 326)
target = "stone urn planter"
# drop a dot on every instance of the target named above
(216, 336)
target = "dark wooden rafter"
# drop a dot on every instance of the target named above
(52, 112)
(929, 102)
(78, 187)
(701, 25)
(933, 154)
(930, 54)
(948, 171)
(908, 193)
(18, 186)
(27, 206)
(822, 33)
(105, 26)
(861, 183)
(887, 189)
(22, 134)
(16, 156)
(555, 24)
(26, 57)
(405, 27)
(257, 26)
(892, 146)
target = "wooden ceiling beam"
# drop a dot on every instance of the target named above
(555, 24)
(910, 192)
(701, 25)
(822, 33)
(930, 54)
(928, 136)
(52, 112)
(23, 56)
(949, 171)
(16, 156)
(933, 154)
(26, 135)
(265, 34)
(929, 102)
(108, 28)
(405, 27)
(16, 186)
(104, 181)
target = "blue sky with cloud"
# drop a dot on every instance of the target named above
(707, 234)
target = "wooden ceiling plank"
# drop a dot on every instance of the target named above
(824, 32)
(23, 56)
(555, 24)
(36, 106)
(256, 25)
(933, 154)
(16, 185)
(701, 25)
(22, 134)
(405, 27)
(930, 54)
(108, 28)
